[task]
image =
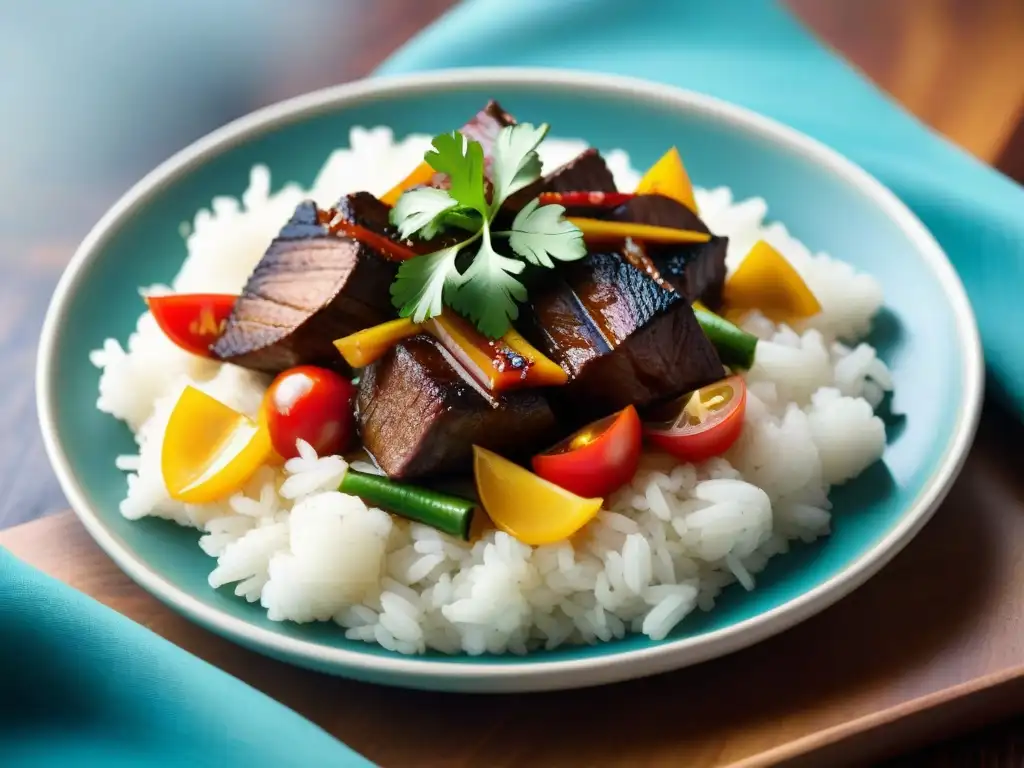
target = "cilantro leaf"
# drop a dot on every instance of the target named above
(540, 234)
(488, 292)
(516, 162)
(463, 162)
(419, 289)
(420, 211)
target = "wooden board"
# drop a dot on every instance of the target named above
(931, 647)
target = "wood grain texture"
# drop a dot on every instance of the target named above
(923, 648)
(956, 64)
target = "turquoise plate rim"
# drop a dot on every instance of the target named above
(525, 675)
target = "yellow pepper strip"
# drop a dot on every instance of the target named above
(526, 506)
(485, 360)
(363, 347)
(210, 450)
(766, 281)
(544, 372)
(421, 174)
(668, 177)
(598, 230)
(460, 338)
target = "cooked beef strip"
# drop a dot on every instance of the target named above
(310, 288)
(420, 414)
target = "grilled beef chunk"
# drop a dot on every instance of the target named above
(310, 288)
(622, 338)
(484, 128)
(696, 270)
(659, 211)
(486, 125)
(368, 212)
(587, 172)
(420, 415)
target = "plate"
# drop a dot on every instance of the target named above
(926, 333)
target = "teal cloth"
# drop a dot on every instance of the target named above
(82, 686)
(753, 53)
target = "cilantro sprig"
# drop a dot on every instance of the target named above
(488, 291)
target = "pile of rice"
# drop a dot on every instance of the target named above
(664, 546)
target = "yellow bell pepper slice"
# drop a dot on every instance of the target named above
(668, 177)
(363, 347)
(526, 506)
(599, 230)
(484, 360)
(766, 281)
(210, 450)
(421, 174)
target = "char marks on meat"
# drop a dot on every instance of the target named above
(420, 414)
(368, 212)
(696, 270)
(622, 338)
(310, 288)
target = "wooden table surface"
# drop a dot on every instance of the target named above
(148, 79)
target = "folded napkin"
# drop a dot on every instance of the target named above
(753, 53)
(82, 686)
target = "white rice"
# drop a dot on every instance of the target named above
(665, 545)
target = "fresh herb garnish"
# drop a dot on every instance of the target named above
(488, 291)
(540, 233)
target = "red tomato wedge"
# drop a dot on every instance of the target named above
(597, 459)
(703, 423)
(193, 321)
(311, 404)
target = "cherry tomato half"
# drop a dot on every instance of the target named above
(193, 321)
(703, 423)
(311, 404)
(597, 459)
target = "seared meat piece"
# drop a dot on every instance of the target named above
(659, 211)
(696, 270)
(368, 212)
(484, 128)
(486, 125)
(587, 172)
(621, 337)
(310, 288)
(420, 414)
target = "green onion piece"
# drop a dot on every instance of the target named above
(735, 346)
(449, 514)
